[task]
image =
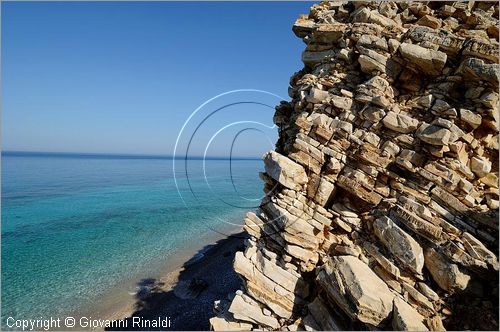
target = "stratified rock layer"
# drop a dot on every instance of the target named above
(382, 194)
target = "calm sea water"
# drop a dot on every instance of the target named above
(74, 227)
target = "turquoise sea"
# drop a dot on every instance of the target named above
(76, 226)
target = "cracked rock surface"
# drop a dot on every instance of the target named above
(382, 194)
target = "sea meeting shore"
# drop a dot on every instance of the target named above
(81, 245)
(183, 294)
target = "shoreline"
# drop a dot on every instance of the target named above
(160, 296)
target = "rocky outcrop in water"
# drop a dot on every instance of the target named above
(382, 194)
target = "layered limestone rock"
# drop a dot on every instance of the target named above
(356, 289)
(381, 207)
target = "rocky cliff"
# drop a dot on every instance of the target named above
(382, 193)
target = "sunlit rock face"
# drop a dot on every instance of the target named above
(382, 194)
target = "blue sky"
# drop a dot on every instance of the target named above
(124, 77)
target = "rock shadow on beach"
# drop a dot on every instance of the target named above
(188, 305)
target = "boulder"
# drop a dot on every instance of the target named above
(399, 122)
(415, 223)
(311, 58)
(490, 99)
(377, 18)
(430, 22)
(373, 114)
(244, 308)
(289, 280)
(317, 96)
(322, 191)
(260, 287)
(284, 170)
(480, 166)
(430, 62)
(372, 62)
(356, 289)
(425, 101)
(476, 69)
(428, 292)
(477, 250)
(419, 299)
(329, 33)
(471, 118)
(400, 244)
(406, 318)
(433, 134)
(341, 102)
(302, 27)
(445, 273)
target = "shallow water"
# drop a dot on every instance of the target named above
(74, 227)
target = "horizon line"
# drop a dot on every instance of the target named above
(119, 155)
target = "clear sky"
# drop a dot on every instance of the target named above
(124, 77)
